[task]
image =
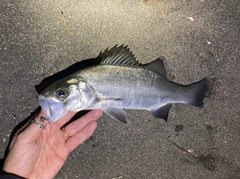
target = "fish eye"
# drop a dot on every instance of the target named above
(62, 93)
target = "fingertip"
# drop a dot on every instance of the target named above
(81, 136)
(97, 113)
(35, 127)
(89, 129)
(92, 126)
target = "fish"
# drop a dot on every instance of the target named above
(119, 82)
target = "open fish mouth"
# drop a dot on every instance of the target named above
(45, 105)
(52, 109)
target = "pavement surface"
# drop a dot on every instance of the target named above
(198, 38)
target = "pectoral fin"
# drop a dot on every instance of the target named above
(117, 114)
(162, 112)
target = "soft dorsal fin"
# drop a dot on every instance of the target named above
(157, 66)
(118, 56)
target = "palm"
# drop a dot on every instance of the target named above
(38, 153)
(53, 150)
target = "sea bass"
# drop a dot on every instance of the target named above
(119, 82)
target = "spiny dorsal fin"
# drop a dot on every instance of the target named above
(118, 56)
(157, 66)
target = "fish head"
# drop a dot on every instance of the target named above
(60, 97)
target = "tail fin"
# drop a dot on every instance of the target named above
(198, 90)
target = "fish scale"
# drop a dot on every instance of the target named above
(132, 83)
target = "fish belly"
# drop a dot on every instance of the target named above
(130, 88)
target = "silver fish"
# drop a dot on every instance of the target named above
(119, 82)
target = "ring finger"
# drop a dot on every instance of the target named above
(79, 124)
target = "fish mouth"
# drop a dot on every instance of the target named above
(53, 109)
(45, 105)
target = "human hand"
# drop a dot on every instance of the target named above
(41, 153)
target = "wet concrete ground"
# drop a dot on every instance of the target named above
(198, 38)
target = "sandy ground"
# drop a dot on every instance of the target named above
(198, 38)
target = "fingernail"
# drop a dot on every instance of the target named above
(42, 119)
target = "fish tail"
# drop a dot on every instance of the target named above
(198, 90)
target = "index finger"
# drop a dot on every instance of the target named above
(65, 119)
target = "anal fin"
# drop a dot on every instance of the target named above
(162, 112)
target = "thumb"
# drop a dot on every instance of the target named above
(34, 129)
